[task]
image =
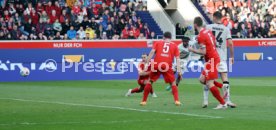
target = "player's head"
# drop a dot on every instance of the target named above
(185, 41)
(217, 16)
(144, 56)
(198, 23)
(167, 35)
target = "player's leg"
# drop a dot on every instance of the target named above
(153, 94)
(202, 80)
(226, 89)
(211, 75)
(169, 78)
(223, 69)
(183, 66)
(216, 93)
(138, 89)
(148, 87)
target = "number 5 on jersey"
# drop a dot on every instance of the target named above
(166, 47)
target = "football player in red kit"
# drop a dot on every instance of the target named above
(165, 51)
(143, 71)
(207, 43)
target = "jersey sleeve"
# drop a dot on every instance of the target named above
(200, 39)
(176, 51)
(140, 66)
(228, 34)
(154, 45)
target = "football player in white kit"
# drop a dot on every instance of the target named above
(223, 36)
(184, 59)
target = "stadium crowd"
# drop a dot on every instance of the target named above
(72, 19)
(245, 18)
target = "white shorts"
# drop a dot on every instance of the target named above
(222, 68)
(183, 65)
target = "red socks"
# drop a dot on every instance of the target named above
(175, 93)
(216, 94)
(218, 84)
(147, 90)
(151, 91)
(135, 90)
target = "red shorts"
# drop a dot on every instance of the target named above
(141, 82)
(210, 70)
(168, 75)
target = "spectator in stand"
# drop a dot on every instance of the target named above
(53, 19)
(235, 30)
(145, 30)
(103, 23)
(228, 22)
(99, 31)
(53, 16)
(125, 33)
(15, 33)
(49, 8)
(152, 36)
(71, 33)
(44, 16)
(63, 17)
(81, 33)
(141, 36)
(180, 31)
(89, 31)
(65, 27)
(48, 29)
(57, 26)
(109, 32)
(136, 31)
(57, 37)
(131, 35)
(28, 27)
(104, 36)
(253, 17)
(2, 36)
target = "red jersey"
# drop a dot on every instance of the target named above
(142, 67)
(206, 38)
(165, 51)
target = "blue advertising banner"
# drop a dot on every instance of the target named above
(114, 63)
(108, 60)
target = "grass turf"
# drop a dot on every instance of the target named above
(101, 105)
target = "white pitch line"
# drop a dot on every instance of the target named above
(94, 122)
(114, 107)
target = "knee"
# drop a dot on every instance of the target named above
(202, 81)
(141, 89)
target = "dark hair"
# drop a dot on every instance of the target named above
(217, 15)
(185, 39)
(145, 54)
(167, 35)
(198, 21)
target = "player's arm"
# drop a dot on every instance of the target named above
(144, 73)
(152, 52)
(141, 71)
(230, 46)
(178, 68)
(200, 51)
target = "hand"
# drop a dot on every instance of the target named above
(180, 75)
(191, 49)
(231, 60)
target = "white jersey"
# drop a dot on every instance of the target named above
(222, 34)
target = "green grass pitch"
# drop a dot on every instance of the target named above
(101, 105)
